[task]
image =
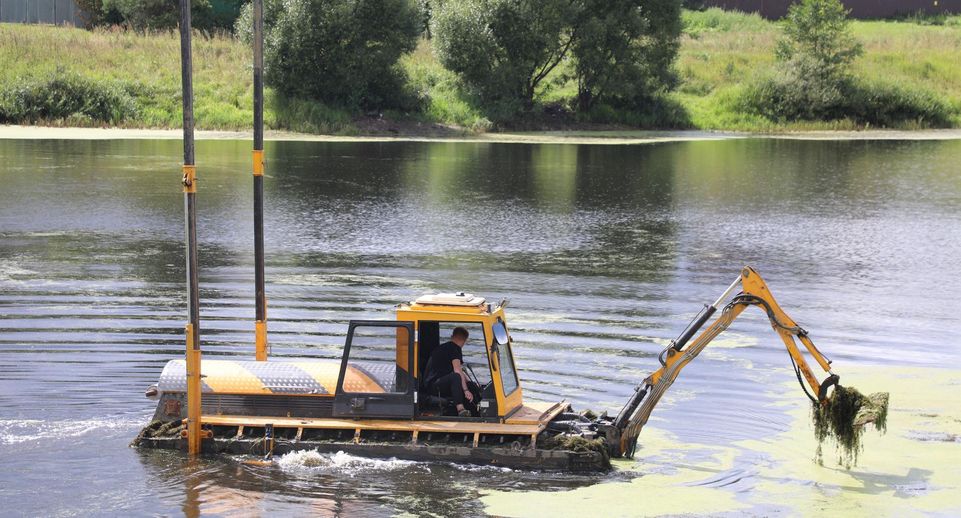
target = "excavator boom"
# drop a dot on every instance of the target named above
(623, 432)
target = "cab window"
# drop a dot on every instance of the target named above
(377, 360)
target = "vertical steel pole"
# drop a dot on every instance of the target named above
(260, 326)
(190, 218)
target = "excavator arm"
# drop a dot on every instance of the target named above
(623, 432)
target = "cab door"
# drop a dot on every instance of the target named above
(375, 378)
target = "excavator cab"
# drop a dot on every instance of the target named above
(382, 369)
(488, 359)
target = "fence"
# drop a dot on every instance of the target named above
(57, 12)
(859, 8)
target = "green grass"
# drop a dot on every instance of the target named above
(697, 23)
(722, 53)
(444, 100)
(147, 66)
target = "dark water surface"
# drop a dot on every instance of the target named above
(605, 252)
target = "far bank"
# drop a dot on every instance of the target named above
(721, 54)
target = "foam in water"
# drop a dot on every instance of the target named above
(312, 460)
(341, 462)
(9, 271)
(16, 431)
(476, 468)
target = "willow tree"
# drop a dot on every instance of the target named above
(341, 52)
(624, 50)
(503, 49)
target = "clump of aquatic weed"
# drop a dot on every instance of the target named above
(843, 418)
(158, 429)
(574, 443)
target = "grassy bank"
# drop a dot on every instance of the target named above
(146, 67)
(721, 53)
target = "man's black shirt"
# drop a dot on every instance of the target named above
(440, 362)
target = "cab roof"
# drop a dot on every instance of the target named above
(452, 303)
(450, 299)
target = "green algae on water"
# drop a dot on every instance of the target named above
(843, 418)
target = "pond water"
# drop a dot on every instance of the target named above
(605, 251)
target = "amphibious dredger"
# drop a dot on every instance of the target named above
(372, 402)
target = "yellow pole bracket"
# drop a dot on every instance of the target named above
(260, 340)
(190, 179)
(258, 162)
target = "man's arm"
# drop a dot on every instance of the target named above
(463, 379)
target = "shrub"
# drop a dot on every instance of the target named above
(797, 94)
(786, 99)
(342, 52)
(64, 97)
(502, 49)
(886, 104)
(659, 111)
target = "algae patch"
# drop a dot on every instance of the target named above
(843, 419)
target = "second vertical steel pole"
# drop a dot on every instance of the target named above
(190, 228)
(260, 326)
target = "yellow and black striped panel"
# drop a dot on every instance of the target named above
(304, 378)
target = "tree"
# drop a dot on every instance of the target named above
(817, 42)
(91, 12)
(624, 49)
(503, 49)
(244, 25)
(144, 15)
(342, 52)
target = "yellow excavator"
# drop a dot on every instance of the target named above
(371, 402)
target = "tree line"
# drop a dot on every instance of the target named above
(513, 61)
(346, 52)
(144, 15)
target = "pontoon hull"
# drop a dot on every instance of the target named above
(509, 457)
